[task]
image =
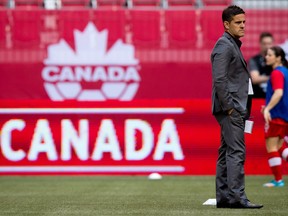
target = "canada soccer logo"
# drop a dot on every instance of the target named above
(91, 72)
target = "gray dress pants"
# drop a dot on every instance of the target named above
(230, 182)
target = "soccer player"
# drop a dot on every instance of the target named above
(276, 114)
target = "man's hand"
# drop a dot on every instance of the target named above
(230, 111)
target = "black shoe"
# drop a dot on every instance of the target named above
(246, 205)
(223, 205)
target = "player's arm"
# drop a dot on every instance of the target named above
(257, 78)
(276, 97)
(277, 80)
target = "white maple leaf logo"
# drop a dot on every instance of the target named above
(116, 68)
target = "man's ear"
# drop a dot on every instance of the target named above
(226, 25)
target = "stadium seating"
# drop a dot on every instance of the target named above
(93, 3)
(75, 3)
(26, 31)
(3, 28)
(211, 33)
(181, 28)
(145, 27)
(216, 2)
(173, 3)
(7, 3)
(113, 22)
(69, 21)
(153, 3)
(113, 3)
(3, 3)
(28, 3)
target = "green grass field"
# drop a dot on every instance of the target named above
(129, 195)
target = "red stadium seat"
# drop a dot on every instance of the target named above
(109, 3)
(29, 3)
(145, 27)
(216, 2)
(211, 33)
(113, 22)
(4, 27)
(75, 3)
(69, 21)
(174, 3)
(153, 3)
(3, 3)
(181, 28)
(26, 29)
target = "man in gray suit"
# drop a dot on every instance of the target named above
(231, 107)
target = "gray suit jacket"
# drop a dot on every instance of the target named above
(230, 77)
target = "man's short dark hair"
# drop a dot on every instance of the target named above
(230, 12)
(265, 34)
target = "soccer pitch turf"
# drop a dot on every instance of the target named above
(129, 195)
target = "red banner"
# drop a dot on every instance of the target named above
(176, 137)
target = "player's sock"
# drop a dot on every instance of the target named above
(275, 162)
(283, 151)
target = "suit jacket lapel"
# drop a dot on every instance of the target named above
(237, 49)
(241, 55)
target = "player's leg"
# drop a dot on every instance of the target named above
(283, 150)
(274, 161)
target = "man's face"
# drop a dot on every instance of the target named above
(237, 26)
(266, 43)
